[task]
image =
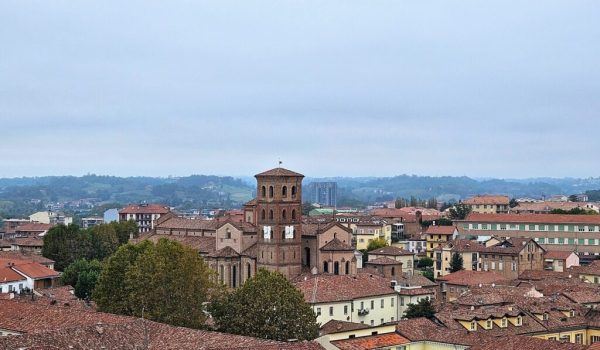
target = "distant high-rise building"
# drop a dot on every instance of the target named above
(324, 193)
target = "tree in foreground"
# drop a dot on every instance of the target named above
(166, 282)
(82, 275)
(423, 308)
(456, 263)
(376, 244)
(266, 306)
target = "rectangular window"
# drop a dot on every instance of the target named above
(571, 240)
(493, 265)
(541, 240)
(372, 304)
(382, 303)
(581, 228)
(550, 240)
(561, 241)
(372, 322)
(581, 241)
(392, 302)
(401, 301)
(382, 321)
(318, 311)
(345, 309)
(331, 311)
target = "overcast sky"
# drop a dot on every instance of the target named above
(332, 88)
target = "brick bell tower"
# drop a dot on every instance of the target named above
(279, 221)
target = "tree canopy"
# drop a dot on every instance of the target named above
(67, 244)
(376, 244)
(82, 275)
(456, 263)
(165, 282)
(266, 306)
(423, 308)
(459, 211)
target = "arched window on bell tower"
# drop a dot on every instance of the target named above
(263, 214)
(284, 214)
(293, 214)
(284, 191)
(271, 214)
(270, 191)
(264, 192)
(293, 191)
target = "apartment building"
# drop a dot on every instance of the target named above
(145, 215)
(488, 204)
(437, 236)
(580, 233)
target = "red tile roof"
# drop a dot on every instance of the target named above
(33, 227)
(534, 218)
(279, 172)
(557, 254)
(390, 250)
(64, 328)
(440, 230)
(371, 342)
(473, 278)
(36, 271)
(383, 261)
(494, 200)
(335, 326)
(19, 256)
(29, 242)
(144, 209)
(337, 245)
(8, 275)
(329, 288)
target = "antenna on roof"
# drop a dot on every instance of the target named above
(280, 162)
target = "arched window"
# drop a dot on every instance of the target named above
(393, 271)
(264, 191)
(293, 191)
(283, 234)
(283, 214)
(271, 214)
(293, 214)
(347, 267)
(248, 271)
(284, 191)
(227, 234)
(270, 191)
(263, 214)
(325, 266)
(336, 268)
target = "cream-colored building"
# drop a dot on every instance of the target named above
(406, 258)
(364, 298)
(50, 217)
(488, 204)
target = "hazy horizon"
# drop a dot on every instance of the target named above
(495, 89)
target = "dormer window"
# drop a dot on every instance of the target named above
(519, 320)
(504, 323)
(545, 316)
(488, 324)
(572, 313)
(473, 326)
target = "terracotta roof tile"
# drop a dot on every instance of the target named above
(336, 245)
(494, 200)
(335, 326)
(440, 230)
(8, 275)
(329, 288)
(473, 278)
(390, 250)
(371, 342)
(383, 261)
(36, 271)
(279, 172)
